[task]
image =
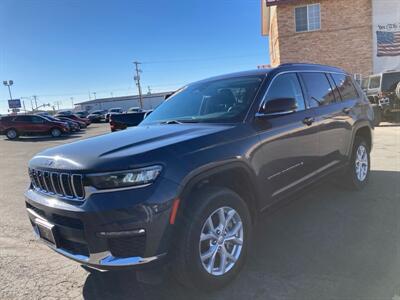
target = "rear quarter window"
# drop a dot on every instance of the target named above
(345, 86)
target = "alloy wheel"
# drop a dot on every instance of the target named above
(221, 241)
(11, 134)
(56, 132)
(361, 163)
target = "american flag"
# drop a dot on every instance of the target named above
(388, 43)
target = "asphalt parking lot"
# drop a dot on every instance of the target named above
(329, 243)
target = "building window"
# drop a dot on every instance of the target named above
(308, 18)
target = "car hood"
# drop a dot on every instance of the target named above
(138, 146)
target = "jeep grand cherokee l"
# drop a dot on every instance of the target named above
(185, 187)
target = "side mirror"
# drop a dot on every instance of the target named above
(279, 106)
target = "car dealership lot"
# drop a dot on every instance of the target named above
(327, 243)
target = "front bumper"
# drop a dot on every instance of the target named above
(108, 230)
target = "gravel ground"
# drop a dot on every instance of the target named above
(328, 243)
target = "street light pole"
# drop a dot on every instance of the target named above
(8, 83)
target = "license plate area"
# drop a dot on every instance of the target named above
(46, 231)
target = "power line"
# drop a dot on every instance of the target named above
(200, 59)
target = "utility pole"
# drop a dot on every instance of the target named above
(72, 101)
(35, 97)
(137, 80)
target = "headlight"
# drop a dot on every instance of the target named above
(128, 178)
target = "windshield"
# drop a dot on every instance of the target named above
(225, 100)
(390, 81)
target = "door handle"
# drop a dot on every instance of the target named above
(308, 121)
(347, 110)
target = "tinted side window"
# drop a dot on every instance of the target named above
(23, 119)
(37, 120)
(286, 86)
(345, 86)
(319, 90)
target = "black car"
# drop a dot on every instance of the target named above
(186, 186)
(97, 116)
(123, 121)
(74, 126)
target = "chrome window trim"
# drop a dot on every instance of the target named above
(292, 71)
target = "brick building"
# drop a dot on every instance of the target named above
(334, 32)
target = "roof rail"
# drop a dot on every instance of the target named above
(302, 64)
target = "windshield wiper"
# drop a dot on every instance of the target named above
(171, 122)
(179, 121)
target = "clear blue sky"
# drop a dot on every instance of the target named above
(58, 49)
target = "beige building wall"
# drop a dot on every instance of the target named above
(344, 39)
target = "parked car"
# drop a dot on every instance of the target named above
(74, 126)
(65, 112)
(122, 121)
(82, 114)
(74, 118)
(187, 185)
(134, 109)
(382, 91)
(97, 116)
(15, 126)
(81, 124)
(113, 111)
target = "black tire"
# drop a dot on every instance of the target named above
(188, 267)
(55, 132)
(12, 134)
(377, 117)
(352, 180)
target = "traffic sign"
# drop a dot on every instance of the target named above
(14, 103)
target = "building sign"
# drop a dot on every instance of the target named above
(14, 103)
(386, 35)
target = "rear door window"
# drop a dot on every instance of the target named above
(345, 87)
(319, 90)
(37, 120)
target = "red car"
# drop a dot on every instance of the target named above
(14, 126)
(75, 118)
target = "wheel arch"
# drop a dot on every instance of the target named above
(364, 130)
(236, 176)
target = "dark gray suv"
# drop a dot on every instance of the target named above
(185, 187)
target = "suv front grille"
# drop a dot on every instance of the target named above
(64, 185)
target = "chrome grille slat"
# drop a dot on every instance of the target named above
(40, 180)
(64, 185)
(46, 181)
